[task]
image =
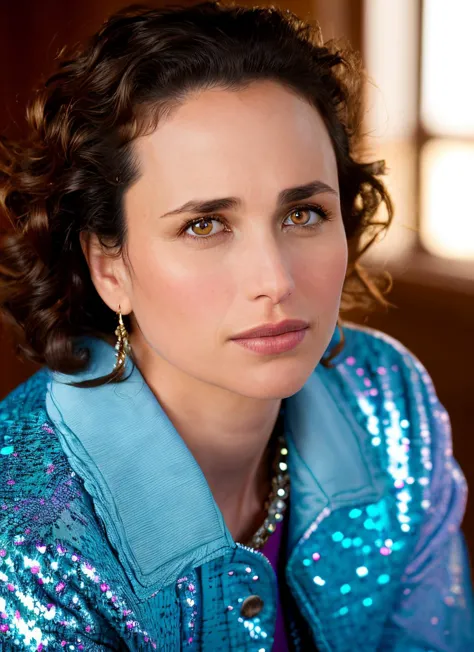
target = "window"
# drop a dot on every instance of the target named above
(420, 118)
(447, 121)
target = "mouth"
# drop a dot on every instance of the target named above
(273, 344)
(273, 330)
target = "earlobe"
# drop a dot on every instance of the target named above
(107, 273)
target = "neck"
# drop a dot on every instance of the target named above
(228, 435)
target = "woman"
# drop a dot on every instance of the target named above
(191, 175)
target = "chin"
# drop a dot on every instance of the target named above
(289, 379)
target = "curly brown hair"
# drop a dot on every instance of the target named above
(70, 174)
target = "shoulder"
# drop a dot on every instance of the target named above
(380, 367)
(24, 399)
(26, 436)
(395, 400)
(37, 485)
(390, 382)
(368, 344)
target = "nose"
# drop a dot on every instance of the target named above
(267, 272)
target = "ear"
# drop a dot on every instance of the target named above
(108, 273)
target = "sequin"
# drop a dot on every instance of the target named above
(60, 584)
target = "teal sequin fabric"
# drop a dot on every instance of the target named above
(375, 559)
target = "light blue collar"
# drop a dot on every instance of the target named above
(149, 490)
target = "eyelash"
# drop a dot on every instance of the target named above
(324, 214)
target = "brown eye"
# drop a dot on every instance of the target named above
(301, 216)
(202, 227)
(300, 213)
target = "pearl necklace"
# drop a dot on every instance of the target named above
(276, 502)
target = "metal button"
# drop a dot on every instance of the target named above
(251, 606)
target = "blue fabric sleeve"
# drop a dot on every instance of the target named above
(435, 607)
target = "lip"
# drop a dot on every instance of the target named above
(271, 330)
(273, 345)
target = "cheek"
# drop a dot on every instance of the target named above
(320, 274)
(172, 297)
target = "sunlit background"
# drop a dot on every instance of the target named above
(421, 117)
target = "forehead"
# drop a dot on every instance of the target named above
(263, 136)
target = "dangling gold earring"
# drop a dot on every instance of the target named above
(122, 347)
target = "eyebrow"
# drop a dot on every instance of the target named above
(298, 193)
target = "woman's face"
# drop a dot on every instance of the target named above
(192, 288)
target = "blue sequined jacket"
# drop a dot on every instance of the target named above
(110, 538)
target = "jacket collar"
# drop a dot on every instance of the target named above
(150, 492)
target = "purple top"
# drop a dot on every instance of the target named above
(271, 550)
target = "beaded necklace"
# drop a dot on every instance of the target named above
(277, 500)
